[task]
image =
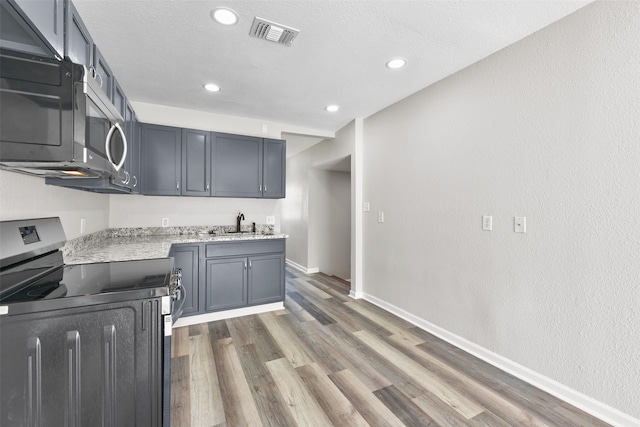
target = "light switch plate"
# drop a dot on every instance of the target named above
(83, 225)
(271, 220)
(367, 206)
(165, 222)
(487, 222)
(520, 224)
(381, 217)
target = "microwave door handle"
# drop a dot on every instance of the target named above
(107, 145)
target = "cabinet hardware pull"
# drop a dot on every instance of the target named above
(207, 186)
(249, 264)
(265, 188)
(261, 188)
(245, 265)
(177, 185)
(135, 182)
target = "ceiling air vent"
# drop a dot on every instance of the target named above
(277, 33)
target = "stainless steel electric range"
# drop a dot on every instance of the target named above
(82, 344)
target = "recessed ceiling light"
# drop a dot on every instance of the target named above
(332, 108)
(212, 87)
(224, 16)
(396, 63)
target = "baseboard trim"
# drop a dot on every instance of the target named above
(302, 268)
(228, 314)
(358, 295)
(579, 400)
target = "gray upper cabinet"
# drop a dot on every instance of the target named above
(132, 163)
(160, 160)
(47, 16)
(237, 166)
(215, 164)
(104, 71)
(274, 172)
(118, 98)
(196, 163)
(77, 40)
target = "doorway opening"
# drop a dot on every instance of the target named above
(330, 218)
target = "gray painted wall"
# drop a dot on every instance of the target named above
(547, 128)
(330, 222)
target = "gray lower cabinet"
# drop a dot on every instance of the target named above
(226, 283)
(244, 273)
(227, 275)
(196, 162)
(266, 279)
(160, 160)
(187, 258)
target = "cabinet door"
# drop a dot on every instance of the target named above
(132, 145)
(196, 162)
(274, 173)
(237, 166)
(118, 98)
(160, 160)
(48, 18)
(226, 283)
(104, 71)
(266, 279)
(78, 44)
(187, 258)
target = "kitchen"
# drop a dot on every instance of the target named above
(559, 302)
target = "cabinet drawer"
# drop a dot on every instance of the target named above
(244, 248)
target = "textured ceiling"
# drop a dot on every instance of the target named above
(162, 51)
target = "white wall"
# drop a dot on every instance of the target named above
(548, 128)
(330, 222)
(23, 196)
(296, 210)
(148, 211)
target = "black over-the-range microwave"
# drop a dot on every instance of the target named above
(55, 120)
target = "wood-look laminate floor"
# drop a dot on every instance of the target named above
(327, 359)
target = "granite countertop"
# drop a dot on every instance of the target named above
(110, 248)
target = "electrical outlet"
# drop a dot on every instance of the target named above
(487, 222)
(83, 225)
(520, 224)
(271, 220)
(165, 222)
(380, 216)
(367, 206)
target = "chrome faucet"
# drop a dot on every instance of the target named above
(238, 219)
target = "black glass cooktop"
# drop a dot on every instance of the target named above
(84, 280)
